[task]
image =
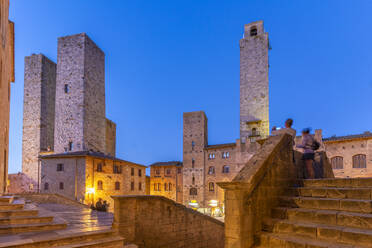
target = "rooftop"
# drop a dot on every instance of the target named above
(84, 154)
(169, 163)
(364, 135)
(220, 146)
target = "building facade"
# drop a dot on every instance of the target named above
(166, 180)
(6, 77)
(351, 155)
(89, 176)
(204, 164)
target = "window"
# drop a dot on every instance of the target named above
(253, 31)
(254, 131)
(66, 88)
(225, 154)
(192, 145)
(337, 162)
(117, 185)
(193, 180)
(168, 171)
(193, 191)
(155, 187)
(179, 171)
(159, 189)
(60, 167)
(157, 172)
(225, 169)
(99, 185)
(165, 187)
(170, 187)
(70, 146)
(132, 171)
(117, 169)
(211, 170)
(211, 156)
(211, 186)
(132, 186)
(193, 163)
(61, 186)
(46, 186)
(99, 167)
(139, 186)
(139, 172)
(359, 161)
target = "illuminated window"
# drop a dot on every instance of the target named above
(211, 170)
(99, 167)
(117, 185)
(337, 162)
(193, 191)
(225, 169)
(359, 161)
(211, 186)
(99, 185)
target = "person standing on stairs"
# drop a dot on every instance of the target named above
(308, 156)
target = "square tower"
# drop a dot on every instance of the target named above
(195, 139)
(38, 111)
(254, 82)
(80, 95)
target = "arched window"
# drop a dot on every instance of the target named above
(225, 169)
(165, 186)
(253, 31)
(117, 185)
(99, 185)
(359, 161)
(46, 186)
(193, 180)
(211, 186)
(211, 170)
(337, 162)
(193, 191)
(170, 187)
(99, 167)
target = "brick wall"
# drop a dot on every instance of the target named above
(159, 177)
(110, 137)
(157, 222)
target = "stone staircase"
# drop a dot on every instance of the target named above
(321, 213)
(21, 227)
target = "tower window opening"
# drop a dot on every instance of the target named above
(66, 88)
(70, 146)
(193, 163)
(253, 31)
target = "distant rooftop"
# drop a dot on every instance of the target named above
(169, 163)
(85, 153)
(220, 146)
(349, 137)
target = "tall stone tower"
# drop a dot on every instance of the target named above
(80, 95)
(254, 82)
(38, 111)
(195, 139)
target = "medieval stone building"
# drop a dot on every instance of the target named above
(69, 145)
(6, 77)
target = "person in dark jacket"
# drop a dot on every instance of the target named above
(99, 205)
(308, 156)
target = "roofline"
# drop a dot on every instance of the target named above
(219, 146)
(343, 138)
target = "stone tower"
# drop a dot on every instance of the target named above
(195, 139)
(38, 111)
(80, 95)
(254, 82)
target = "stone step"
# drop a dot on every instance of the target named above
(331, 233)
(6, 199)
(25, 220)
(332, 192)
(12, 206)
(21, 212)
(332, 217)
(110, 242)
(280, 240)
(20, 228)
(63, 238)
(339, 182)
(349, 205)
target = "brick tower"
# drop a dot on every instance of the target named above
(254, 82)
(195, 139)
(80, 95)
(38, 111)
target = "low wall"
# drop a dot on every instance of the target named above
(158, 222)
(49, 198)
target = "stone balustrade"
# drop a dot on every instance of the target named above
(156, 221)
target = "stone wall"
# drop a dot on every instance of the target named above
(6, 76)
(157, 222)
(20, 183)
(110, 137)
(38, 111)
(254, 81)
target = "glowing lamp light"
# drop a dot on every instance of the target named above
(193, 203)
(213, 203)
(90, 190)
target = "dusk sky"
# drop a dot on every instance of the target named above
(164, 58)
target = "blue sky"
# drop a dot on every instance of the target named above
(164, 58)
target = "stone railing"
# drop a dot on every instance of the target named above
(251, 195)
(158, 222)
